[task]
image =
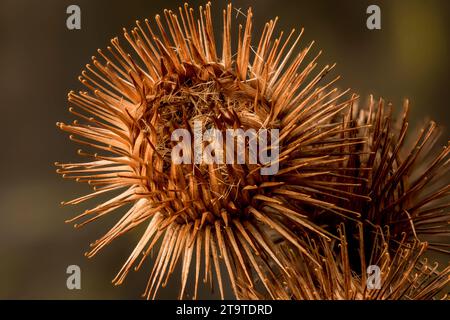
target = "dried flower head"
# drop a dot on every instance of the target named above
(407, 181)
(228, 220)
(138, 96)
(402, 194)
(404, 273)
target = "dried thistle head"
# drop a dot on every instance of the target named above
(401, 190)
(407, 180)
(398, 178)
(404, 273)
(337, 164)
(168, 80)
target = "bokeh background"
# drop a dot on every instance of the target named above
(40, 60)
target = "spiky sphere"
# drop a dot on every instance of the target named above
(401, 189)
(166, 80)
(406, 177)
(270, 235)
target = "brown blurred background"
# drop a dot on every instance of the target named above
(40, 60)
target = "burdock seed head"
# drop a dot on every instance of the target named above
(269, 226)
(170, 78)
(403, 273)
(404, 175)
(399, 184)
